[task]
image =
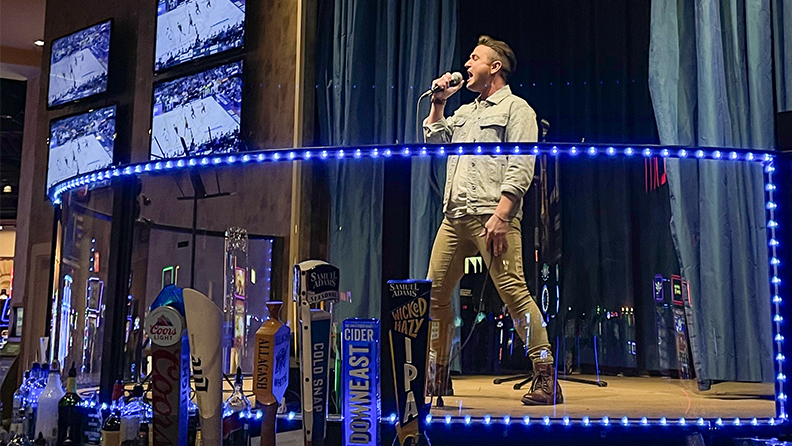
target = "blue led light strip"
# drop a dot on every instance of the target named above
(775, 282)
(605, 421)
(527, 421)
(386, 152)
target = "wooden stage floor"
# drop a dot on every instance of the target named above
(634, 397)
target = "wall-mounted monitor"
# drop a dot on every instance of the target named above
(191, 29)
(78, 64)
(198, 114)
(81, 143)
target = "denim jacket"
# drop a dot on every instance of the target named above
(503, 117)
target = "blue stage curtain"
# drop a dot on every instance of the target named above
(711, 81)
(782, 39)
(719, 230)
(374, 59)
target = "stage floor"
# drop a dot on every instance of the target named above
(634, 397)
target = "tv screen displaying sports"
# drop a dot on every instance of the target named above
(198, 114)
(190, 29)
(78, 64)
(80, 144)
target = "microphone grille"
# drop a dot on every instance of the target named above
(456, 78)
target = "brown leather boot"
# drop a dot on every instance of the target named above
(544, 387)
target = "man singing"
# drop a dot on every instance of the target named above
(482, 203)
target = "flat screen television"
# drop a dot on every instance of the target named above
(78, 64)
(191, 29)
(198, 114)
(80, 144)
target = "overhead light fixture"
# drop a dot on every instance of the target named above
(7, 189)
(38, 43)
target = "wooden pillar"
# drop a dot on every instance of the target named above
(32, 273)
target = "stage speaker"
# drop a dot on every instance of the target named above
(784, 131)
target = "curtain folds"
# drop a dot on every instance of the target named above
(782, 50)
(719, 230)
(711, 81)
(374, 59)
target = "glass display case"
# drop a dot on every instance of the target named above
(653, 272)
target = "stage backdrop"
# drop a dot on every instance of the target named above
(782, 52)
(711, 78)
(374, 59)
(582, 66)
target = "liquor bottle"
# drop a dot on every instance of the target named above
(18, 411)
(35, 387)
(47, 414)
(132, 416)
(72, 439)
(111, 430)
(44, 375)
(235, 415)
(22, 392)
(40, 441)
(35, 369)
(70, 410)
(92, 411)
(18, 432)
(118, 395)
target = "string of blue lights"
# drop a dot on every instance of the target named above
(385, 152)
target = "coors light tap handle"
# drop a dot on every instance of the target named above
(170, 374)
(271, 376)
(409, 308)
(315, 281)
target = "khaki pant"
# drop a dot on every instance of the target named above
(457, 239)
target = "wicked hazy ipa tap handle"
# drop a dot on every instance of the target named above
(408, 301)
(271, 376)
(315, 281)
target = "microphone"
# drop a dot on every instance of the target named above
(456, 78)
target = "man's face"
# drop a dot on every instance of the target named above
(480, 68)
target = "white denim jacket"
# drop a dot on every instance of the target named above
(502, 117)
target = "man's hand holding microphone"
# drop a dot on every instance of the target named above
(446, 85)
(443, 88)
